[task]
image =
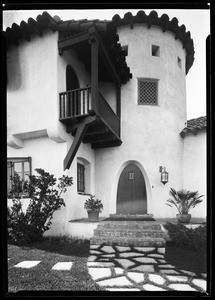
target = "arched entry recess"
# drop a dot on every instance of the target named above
(113, 202)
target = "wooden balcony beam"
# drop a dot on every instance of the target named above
(108, 61)
(77, 141)
(106, 144)
(98, 128)
(99, 138)
(66, 43)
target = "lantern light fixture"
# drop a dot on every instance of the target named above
(164, 174)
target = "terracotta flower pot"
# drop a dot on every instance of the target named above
(93, 215)
(182, 218)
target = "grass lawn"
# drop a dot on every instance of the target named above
(52, 250)
(42, 277)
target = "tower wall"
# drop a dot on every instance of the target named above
(150, 133)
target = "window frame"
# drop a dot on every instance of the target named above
(12, 161)
(81, 179)
(139, 80)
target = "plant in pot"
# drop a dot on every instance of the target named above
(93, 207)
(183, 201)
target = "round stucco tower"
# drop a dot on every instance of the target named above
(153, 109)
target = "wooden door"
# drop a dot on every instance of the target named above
(131, 192)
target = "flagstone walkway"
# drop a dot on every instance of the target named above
(139, 268)
(117, 268)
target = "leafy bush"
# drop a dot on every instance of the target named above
(93, 204)
(193, 239)
(45, 199)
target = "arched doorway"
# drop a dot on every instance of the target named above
(131, 192)
(72, 83)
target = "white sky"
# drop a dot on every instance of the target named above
(196, 21)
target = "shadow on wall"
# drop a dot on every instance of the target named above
(14, 76)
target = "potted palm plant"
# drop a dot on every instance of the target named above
(183, 201)
(93, 207)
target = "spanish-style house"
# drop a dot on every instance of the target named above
(105, 103)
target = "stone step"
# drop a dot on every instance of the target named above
(136, 233)
(132, 217)
(142, 225)
(128, 241)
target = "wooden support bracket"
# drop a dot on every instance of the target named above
(77, 141)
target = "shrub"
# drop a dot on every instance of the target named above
(93, 204)
(183, 201)
(45, 199)
(193, 239)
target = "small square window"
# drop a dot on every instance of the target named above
(147, 91)
(155, 50)
(125, 48)
(179, 62)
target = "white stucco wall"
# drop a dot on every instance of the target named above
(150, 134)
(36, 76)
(195, 169)
(32, 85)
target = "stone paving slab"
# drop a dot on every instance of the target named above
(144, 268)
(63, 266)
(168, 271)
(27, 264)
(200, 283)
(118, 271)
(181, 287)
(118, 281)
(158, 279)
(99, 273)
(146, 260)
(137, 277)
(144, 249)
(130, 254)
(125, 263)
(177, 278)
(100, 264)
(123, 249)
(151, 287)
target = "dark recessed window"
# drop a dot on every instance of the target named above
(125, 48)
(155, 50)
(179, 62)
(147, 91)
(80, 178)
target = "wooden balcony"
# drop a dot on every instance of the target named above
(76, 109)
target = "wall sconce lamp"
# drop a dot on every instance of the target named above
(164, 174)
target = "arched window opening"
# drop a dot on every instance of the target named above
(72, 84)
(83, 176)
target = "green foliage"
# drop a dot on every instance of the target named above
(183, 237)
(183, 201)
(45, 199)
(93, 204)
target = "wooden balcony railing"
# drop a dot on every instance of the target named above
(77, 103)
